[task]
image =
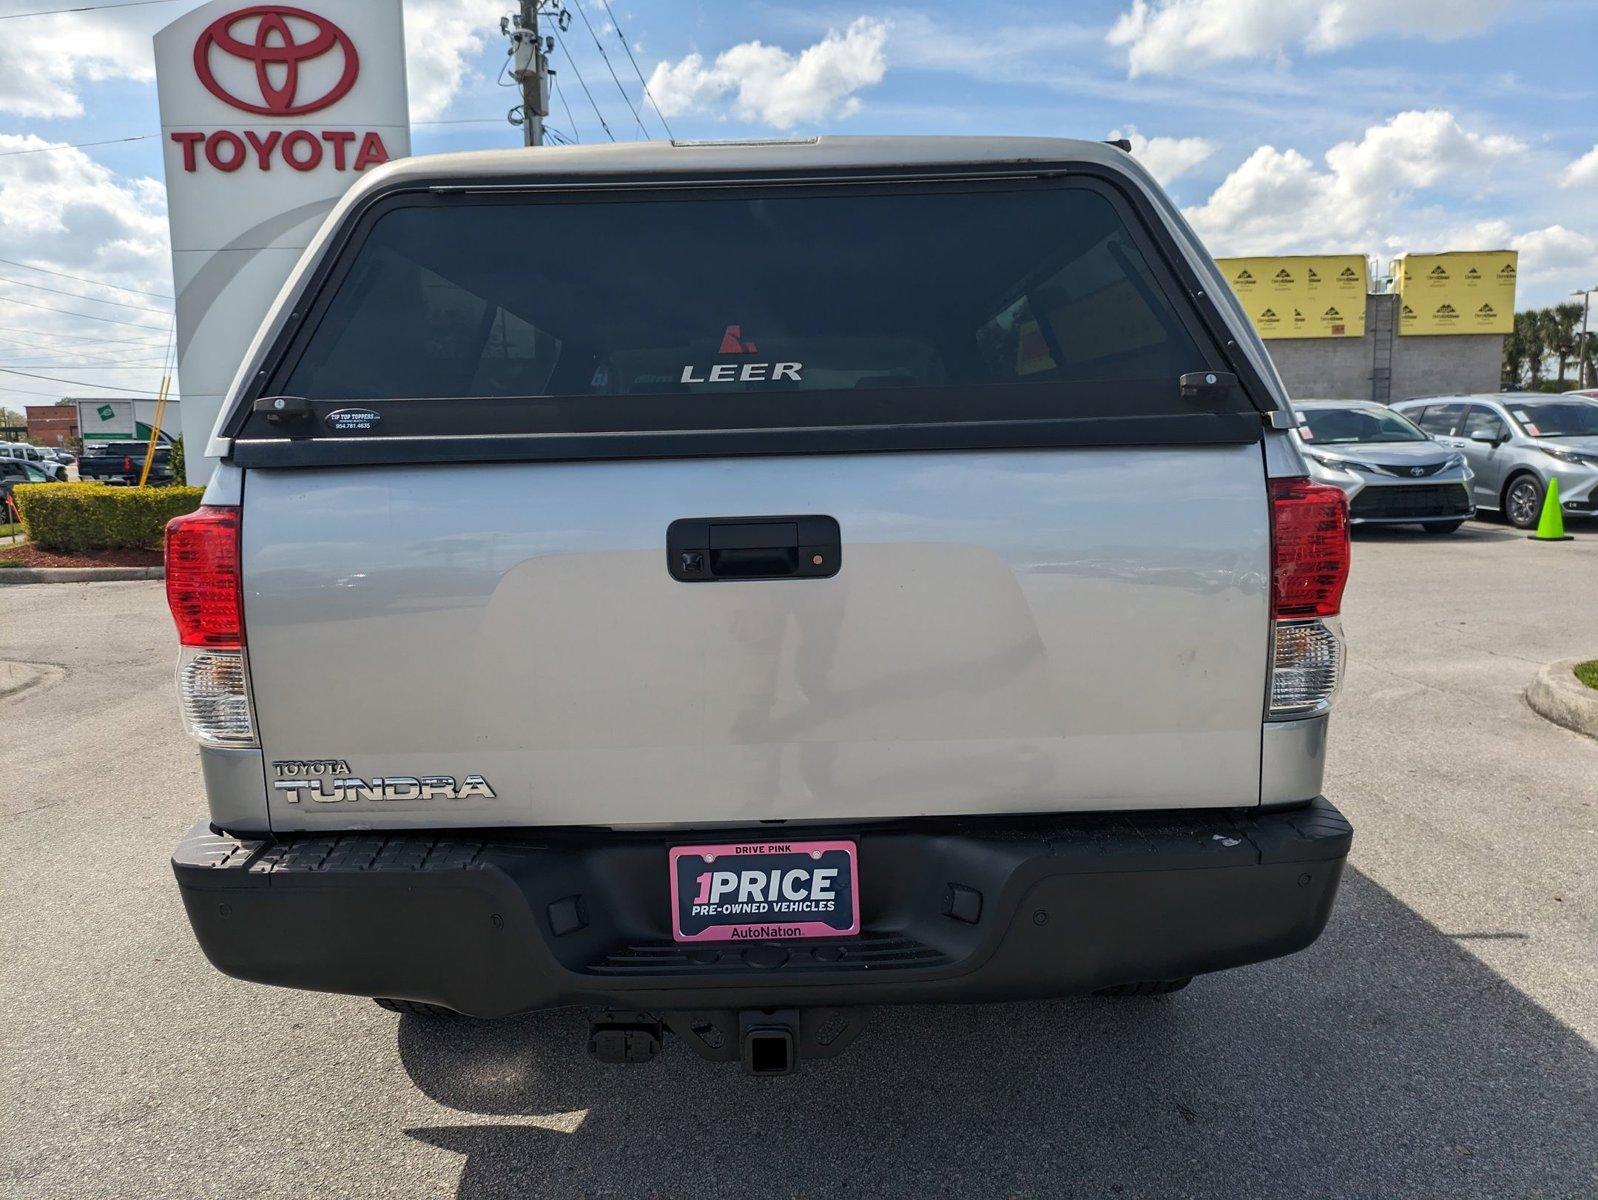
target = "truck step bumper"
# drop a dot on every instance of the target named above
(997, 908)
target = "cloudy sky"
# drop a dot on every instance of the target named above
(1372, 126)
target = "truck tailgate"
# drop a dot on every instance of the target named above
(1016, 631)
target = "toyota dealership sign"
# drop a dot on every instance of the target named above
(268, 112)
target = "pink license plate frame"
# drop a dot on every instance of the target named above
(770, 924)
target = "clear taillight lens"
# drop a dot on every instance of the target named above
(214, 695)
(1310, 558)
(1306, 666)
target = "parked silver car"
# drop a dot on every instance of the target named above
(1516, 442)
(12, 472)
(22, 452)
(1391, 472)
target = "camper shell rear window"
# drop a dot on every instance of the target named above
(776, 312)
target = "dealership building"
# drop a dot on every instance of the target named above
(1437, 326)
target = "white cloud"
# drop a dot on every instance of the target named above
(1557, 256)
(1166, 157)
(774, 86)
(1554, 261)
(63, 211)
(1164, 36)
(64, 208)
(1278, 201)
(1583, 172)
(44, 60)
(1032, 51)
(441, 38)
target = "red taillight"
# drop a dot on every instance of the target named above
(202, 578)
(1309, 548)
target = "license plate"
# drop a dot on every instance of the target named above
(764, 891)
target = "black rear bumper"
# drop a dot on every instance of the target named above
(995, 908)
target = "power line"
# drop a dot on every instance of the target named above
(39, 287)
(82, 355)
(465, 121)
(82, 316)
(561, 96)
(50, 12)
(622, 38)
(27, 391)
(82, 337)
(72, 145)
(104, 387)
(562, 43)
(625, 99)
(169, 359)
(86, 353)
(84, 279)
(102, 366)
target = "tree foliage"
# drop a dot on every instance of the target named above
(1543, 347)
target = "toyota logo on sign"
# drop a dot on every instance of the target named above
(277, 50)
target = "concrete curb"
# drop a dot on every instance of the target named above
(1559, 696)
(78, 574)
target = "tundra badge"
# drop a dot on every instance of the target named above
(394, 787)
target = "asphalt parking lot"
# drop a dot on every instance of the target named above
(1438, 1040)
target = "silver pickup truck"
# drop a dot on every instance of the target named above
(730, 585)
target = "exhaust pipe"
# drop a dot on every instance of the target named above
(769, 1040)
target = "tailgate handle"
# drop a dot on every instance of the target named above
(703, 549)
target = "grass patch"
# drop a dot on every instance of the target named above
(13, 529)
(1587, 672)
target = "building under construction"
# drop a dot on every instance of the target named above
(1436, 325)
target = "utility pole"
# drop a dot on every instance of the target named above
(529, 67)
(1583, 356)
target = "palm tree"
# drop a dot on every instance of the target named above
(1564, 332)
(1514, 367)
(1530, 330)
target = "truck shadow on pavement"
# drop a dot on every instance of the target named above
(1470, 531)
(1384, 1061)
(1490, 529)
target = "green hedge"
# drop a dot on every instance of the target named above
(96, 516)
